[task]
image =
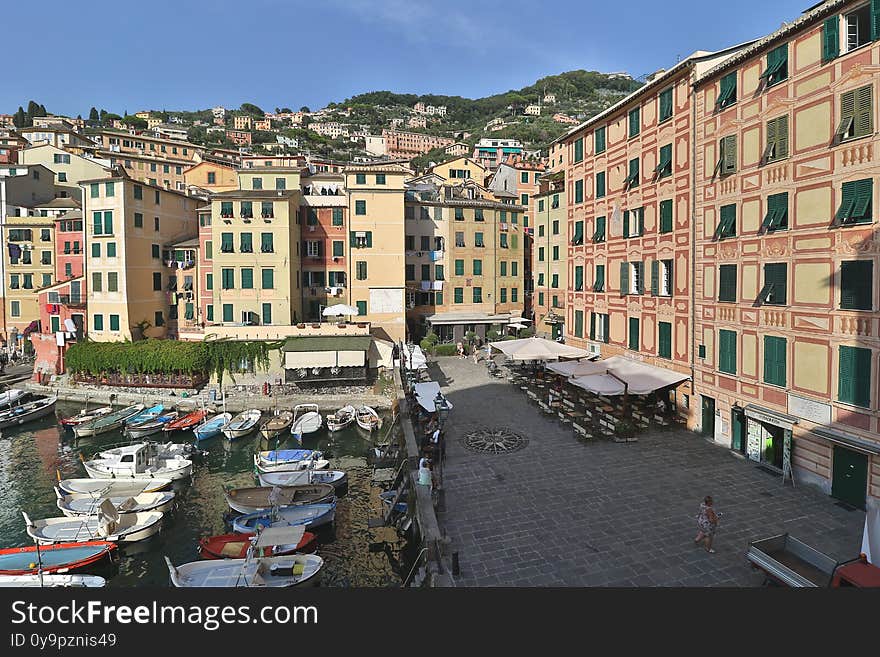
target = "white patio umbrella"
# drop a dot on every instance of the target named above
(426, 393)
(339, 309)
(415, 360)
(538, 349)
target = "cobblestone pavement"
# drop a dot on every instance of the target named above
(566, 513)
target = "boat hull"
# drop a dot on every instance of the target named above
(29, 416)
(52, 581)
(163, 503)
(307, 516)
(235, 546)
(56, 558)
(117, 486)
(227, 573)
(251, 500)
(107, 472)
(80, 531)
(337, 478)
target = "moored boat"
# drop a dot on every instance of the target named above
(138, 460)
(11, 396)
(187, 421)
(276, 425)
(84, 416)
(212, 427)
(114, 487)
(242, 424)
(108, 422)
(258, 498)
(308, 515)
(52, 581)
(341, 418)
(289, 459)
(337, 478)
(106, 525)
(367, 418)
(235, 545)
(86, 505)
(306, 419)
(28, 412)
(56, 558)
(145, 414)
(147, 428)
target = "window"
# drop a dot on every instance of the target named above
(458, 295)
(524, 200)
(266, 210)
(478, 268)
(311, 217)
(478, 214)
(726, 222)
(599, 233)
(579, 323)
(361, 239)
(426, 272)
(157, 281)
(102, 223)
(775, 284)
(503, 298)
(777, 66)
(599, 283)
(578, 150)
(727, 283)
(94, 190)
(110, 189)
(774, 360)
(554, 202)
(97, 282)
(478, 295)
(212, 178)
(540, 205)
(98, 322)
(634, 333)
(227, 312)
(726, 156)
(478, 240)
(438, 273)
(578, 278)
(631, 278)
(556, 253)
(111, 250)
(726, 91)
(854, 376)
(514, 268)
(666, 216)
(777, 139)
(113, 281)
(256, 183)
(524, 177)
(540, 298)
(459, 214)
(246, 244)
(209, 281)
(727, 351)
(267, 313)
(503, 267)
(634, 122)
(554, 281)
(410, 272)
(664, 167)
(227, 278)
(856, 285)
(661, 278)
(380, 178)
(777, 213)
(555, 227)
(578, 191)
(664, 339)
(502, 241)
(856, 114)
(360, 179)
(280, 184)
(855, 206)
(267, 243)
(226, 209)
(599, 327)
(578, 237)
(138, 220)
(68, 270)
(156, 224)
(632, 180)
(338, 248)
(361, 270)
(247, 278)
(599, 140)
(858, 26)
(247, 209)
(540, 254)
(634, 222)
(313, 249)
(210, 312)
(13, 281)
(46, 256)
(666, 104)
(600, 184)
(360, 208)
(337, 216)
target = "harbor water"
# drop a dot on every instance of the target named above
(355, 555)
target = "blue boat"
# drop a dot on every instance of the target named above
(308, 515)
(213, 427)
(289, 459)
(147, 414)
(58, 558)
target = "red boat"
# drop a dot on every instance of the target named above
(235, 546)
(185, 422)
(57, 558)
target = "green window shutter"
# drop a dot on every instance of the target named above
(727, 283)
(831, 38)
(97, 223)
(624, 278)
(478, 267)
(579, 323)
(664, 334)
(726, 221)
(592, 326)
(634, 122)
(781, 137)
(209, 281)
(774, 360)
(247, 243)
(55, 324)
(227, 312)
(875, 20)
(864, 111)
(599, 235)
(856, 285)
(458, 295)
(267, 243)
(633, 179)
(267, 313)
(600, 184)
(599, 139)
(727, 351)
(210, 312)
(459, 267)
(362, 307)
(728, 151)
(438, 272)
(626, 223)
(771, 140)
(96, 249)
(578, 191)
(664, 166)
(727, 91)
(606, 326)
(856, 202)
(578, 278)
(99, 322)
(268, 279)
(655, 277)
(666, 104)
(775, 275)
(634, 341)
(338, 248)
(352, 239)
(854, 376)
(666, 216)
(226, 243)
(578, 237)
(247, 278)
(599, 284)
(337, 216)
(579, 150)
(369, 239)
(360, 207)
(847, 114)
(503, 265)
(641, 218)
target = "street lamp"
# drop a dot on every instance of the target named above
(442, 408)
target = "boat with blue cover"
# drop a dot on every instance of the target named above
(308, 515)
(213, 427)
(289, 459)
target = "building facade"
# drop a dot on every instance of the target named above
(549, 253)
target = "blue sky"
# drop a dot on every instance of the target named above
(192, 54)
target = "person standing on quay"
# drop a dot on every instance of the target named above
(707, 521)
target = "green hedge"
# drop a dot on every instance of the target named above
(445, 350)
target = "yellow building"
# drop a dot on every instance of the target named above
(461, 169)
(550, 256)
(210, 176)
(376, 261)
(129, 287)
(255, 250)
(69, 168)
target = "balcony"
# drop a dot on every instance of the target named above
(72, 300)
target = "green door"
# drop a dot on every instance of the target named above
(556, 330)
(708, 416)
(849, 481)
(738, 427)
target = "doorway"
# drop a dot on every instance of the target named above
(738, 430)
(708, 417)
(849, 478)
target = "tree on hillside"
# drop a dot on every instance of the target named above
(285, 110)
(93, 116)
(249, 108)
(135, 122)
(305, 108)
(102, 117)
(19, 119)
(262, 136)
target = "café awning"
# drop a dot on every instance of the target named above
(572, 368)
(538, 349)
(326, 351)
(426, 393)
(611, 374)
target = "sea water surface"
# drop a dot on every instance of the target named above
(34, 455)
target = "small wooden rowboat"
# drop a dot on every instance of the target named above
(57, 558)
(34, 410)
(85, 505)
(149, 427)
(276, 425)
(337, 478)
(367, 418)
(186, 422)
(85, 416)
(235, 546)
(308, 515)
(114, 487)
(257, 498)
(340, 419)
(242, 424)
(212, 427)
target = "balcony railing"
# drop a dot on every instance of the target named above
(72, 300)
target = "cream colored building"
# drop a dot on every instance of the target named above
(69, 168)
(130, 289)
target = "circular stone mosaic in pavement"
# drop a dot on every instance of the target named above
(495, 440)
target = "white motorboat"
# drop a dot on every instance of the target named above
(119, 487)
(165, 450)
(253, 570)
(52, 581)
(341, 418)
(306, 419)
(242, 424)
(11, 396)
(108, 422)
(106, 525)
(138, 460)
(81, 504)
(337, 478)
(367, 418)
(289, 459)
(34, 410)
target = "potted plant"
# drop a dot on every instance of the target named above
(624, 430)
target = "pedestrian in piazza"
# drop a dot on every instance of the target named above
(707, 521)
(460, 347)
